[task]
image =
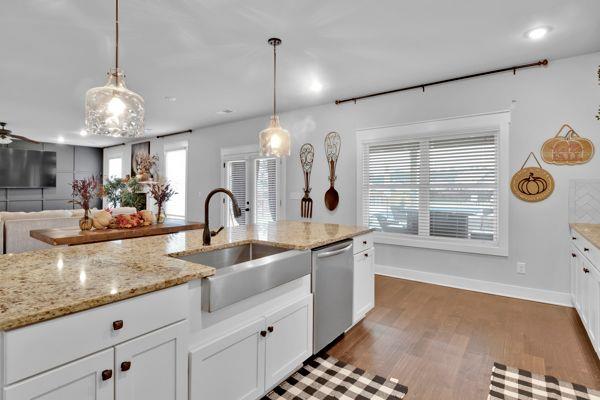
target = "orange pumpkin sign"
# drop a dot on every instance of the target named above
(568, 149)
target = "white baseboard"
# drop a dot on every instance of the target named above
(501, 289)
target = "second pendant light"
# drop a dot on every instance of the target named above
(274, 140)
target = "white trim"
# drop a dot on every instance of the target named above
(496, 121)
(500, 289)
(237, 151)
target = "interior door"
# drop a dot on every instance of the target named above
(289, 340)
(231, 367)
(89, 378)
(256, 183)
(153, 366)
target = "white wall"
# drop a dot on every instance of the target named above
(541, 99)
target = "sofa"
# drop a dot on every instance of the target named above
(15, 227)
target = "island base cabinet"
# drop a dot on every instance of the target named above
(79, 380)
(153, 366)
(289, 340)
(243, 364)
(231, 367)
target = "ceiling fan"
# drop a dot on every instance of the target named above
(7, 137)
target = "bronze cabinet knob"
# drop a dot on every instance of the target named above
(364, 242)
(263, 333)
(270, 329)
(125, 365)
(106, 374)
(586, 271)
(573, 255)
(586, 249)
(117, 325)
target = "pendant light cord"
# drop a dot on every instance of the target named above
(274, 79)
(117, 40)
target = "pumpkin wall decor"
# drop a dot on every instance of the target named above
(532, 183)
(567, 149)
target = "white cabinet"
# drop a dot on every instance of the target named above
(231, 367)
(242, 365)
(79, 380)
(289, 340)
(153, 366)
(364, 277)
(585, 291)
(364, 284)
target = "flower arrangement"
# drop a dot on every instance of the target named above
(145, 163)
(112, 190)
(123, 191)
(84, 190)
(161, 193)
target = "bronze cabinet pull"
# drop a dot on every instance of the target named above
(574, 238)
(573, 255)
(364, 242)
(263, 333)
(586, 249)
(366, 254)
(106, 374)
(586, 271)
(125, 365)
(118, 324)
(270, 329)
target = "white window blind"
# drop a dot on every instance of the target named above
(236, 182)
(438, 187)
(266, 190)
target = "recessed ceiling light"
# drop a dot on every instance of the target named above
(537, 33)
(316, 86)
(61, 139)
(170, 99)
(225, 111)
(83, 132)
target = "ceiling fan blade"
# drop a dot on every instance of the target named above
(23, 138)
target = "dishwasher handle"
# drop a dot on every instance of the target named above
(334, 252)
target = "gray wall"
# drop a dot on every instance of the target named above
(71, 162)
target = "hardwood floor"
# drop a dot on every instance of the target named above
(442, 342)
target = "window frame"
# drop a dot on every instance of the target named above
(175, 146)
(456, 126)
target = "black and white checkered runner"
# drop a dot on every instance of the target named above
(328, 379)
(512, 384)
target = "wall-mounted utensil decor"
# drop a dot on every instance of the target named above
(307, 155)
(598, 115)
(532, 183)
(333, 143)
(567, 149)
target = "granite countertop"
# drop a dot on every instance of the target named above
(40, 285)
(589, 231)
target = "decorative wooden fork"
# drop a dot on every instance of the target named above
(307, 154)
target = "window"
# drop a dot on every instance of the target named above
(176, 173)
(115, 166)
(256, 184)
(437, 184)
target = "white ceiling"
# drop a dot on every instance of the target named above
(212, 54)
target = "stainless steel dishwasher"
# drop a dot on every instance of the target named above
(332, 286)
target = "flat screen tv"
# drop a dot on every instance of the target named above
(27, 168)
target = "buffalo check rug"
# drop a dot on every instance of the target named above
(517, 384)
(325, 378)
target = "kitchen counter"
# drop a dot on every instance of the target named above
(41, 285)
(589, 231)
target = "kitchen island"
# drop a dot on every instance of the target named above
(72, 317)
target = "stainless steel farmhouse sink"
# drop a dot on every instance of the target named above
(246, 270)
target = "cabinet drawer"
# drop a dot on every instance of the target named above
(588, 250)
(363, 242)
(40, 347)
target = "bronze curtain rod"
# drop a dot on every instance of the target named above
(514, 69)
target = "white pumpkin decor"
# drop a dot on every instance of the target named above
(101, 219)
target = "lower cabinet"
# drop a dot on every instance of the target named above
(243, 364)
(585, 292)
(150, 367)
(364, 284)
(79, 380)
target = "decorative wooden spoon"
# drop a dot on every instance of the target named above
(333, 143)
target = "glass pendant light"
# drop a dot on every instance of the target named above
(274, 141)
(114, 110)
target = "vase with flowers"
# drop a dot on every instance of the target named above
(161, 192)
(84, 190)
(145, 163)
